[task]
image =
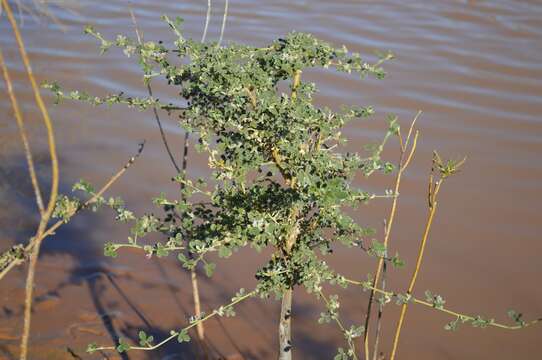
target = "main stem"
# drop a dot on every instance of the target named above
(285, 329)
(285, 321)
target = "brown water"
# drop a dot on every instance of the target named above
(474, 68)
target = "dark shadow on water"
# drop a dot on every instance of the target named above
(75, 240)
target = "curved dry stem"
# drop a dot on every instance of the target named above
(54, 183)
(22, 132)
(139, 36)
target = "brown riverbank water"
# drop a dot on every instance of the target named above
(474, 68)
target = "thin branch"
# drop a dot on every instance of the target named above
(193, 275)
(367, 286)
(21, 258)
(154, 109)
(22, 132)
(175, 334)
(336, 318)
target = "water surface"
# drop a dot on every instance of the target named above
(473, 67)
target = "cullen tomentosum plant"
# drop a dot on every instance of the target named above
(279, 179)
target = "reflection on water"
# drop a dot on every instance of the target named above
(474, 69)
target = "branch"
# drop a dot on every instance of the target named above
(18, 255)
(366, 285)
(154, 107)
(335, 316)
(177, 334)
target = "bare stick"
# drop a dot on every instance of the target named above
(54, 183)
(403, 164)
(434, 188)
(22, 132)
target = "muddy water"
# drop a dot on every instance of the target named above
(475, 70)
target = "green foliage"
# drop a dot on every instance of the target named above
(436, 300)
(144, 339)
(280, 180)
(183, 336)
(65, 207)
(453, 325)
(91, 348)
(276, 166)
(122, 346)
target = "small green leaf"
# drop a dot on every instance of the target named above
(91, 348)
(122, 346)
(209, 269)
(183, 336)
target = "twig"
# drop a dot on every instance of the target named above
(50, 231)
(351, 344)
(154, 109)
(402, 167)
(22, 132)
(175, 334)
